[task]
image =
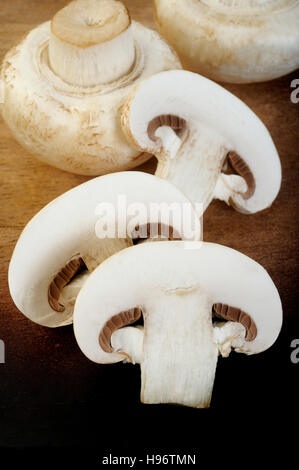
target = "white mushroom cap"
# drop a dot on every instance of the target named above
(136, 276)
(210, 128)
(62, 240)
(239, 41)
(62, 98)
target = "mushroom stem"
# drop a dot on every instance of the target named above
(91, 42)
(194, 163)
(179, 355)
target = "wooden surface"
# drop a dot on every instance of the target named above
(45, 377)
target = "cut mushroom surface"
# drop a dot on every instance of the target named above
(238, 41)
(199, 131)
(65, 83)
(178, 287)
(64, 242)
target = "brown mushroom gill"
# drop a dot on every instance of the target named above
(236, 165)
(154, 230)
(76, 266)
(175, 122)
(64, 277)
(131, 316)
(229, 313)
(115, 323)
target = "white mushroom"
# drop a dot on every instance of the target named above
(238, 41)
(64, 85)
(176, 289)
(199, 132)
(64, 242)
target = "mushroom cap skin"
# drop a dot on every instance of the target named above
(136, 276)
(216, 123)
(241, 41)
(65, 231)
(76, 128)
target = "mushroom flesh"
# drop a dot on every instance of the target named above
(178, 288)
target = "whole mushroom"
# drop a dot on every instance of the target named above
(238, 41)
(207, 141)
(69, 237)
(65, 83)
(197, 300)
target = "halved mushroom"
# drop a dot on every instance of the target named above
(199, 131)
(239, 41)
(176, 286)
(69, 237)
(64, 85)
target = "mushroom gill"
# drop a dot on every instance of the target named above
(235, 164)
(115, 323)
(170, 120)
(65, 275)
(229, 313)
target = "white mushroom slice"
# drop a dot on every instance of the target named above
(238, 41)
(177, 290)
(65, 83)
(198, 131)
(64, 242)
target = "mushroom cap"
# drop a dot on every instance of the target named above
(237, 41)
(214, 110)
(65, 231)
(139, 275)
(75, 128)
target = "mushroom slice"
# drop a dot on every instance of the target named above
(177, 286)
(64, 85)
(66, 240)
(196, 129)
(238, 41)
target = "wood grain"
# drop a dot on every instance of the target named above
(37, 358)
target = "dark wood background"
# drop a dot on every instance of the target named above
(52, 397)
